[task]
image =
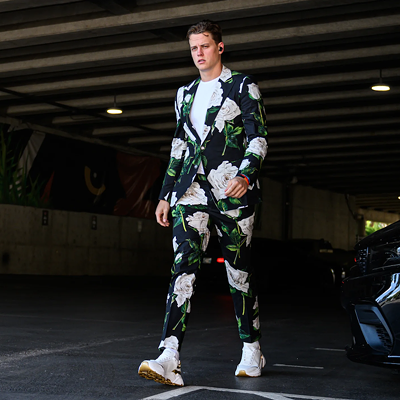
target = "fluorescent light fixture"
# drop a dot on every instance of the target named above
(380, 86)
(114, 110)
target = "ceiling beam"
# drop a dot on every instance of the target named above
(113, 6)
(58, 132)
(156, 19)
(160, 51)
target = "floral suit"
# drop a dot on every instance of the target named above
(235, 145)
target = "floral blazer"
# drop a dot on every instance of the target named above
(235, 130)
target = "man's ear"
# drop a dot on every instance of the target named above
(220, 47)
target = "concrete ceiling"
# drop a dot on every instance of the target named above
(62, 61)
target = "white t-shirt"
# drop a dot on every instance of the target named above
(199, 109)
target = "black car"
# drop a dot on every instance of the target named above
(371, 296)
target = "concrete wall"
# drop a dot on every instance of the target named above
(69, 245)
(129, 246)
(321, 214)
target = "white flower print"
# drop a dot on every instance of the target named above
(241, 87)
(166, 196)
(178, 258)
(258, 146)
(256, 323)
(194, 195)
(232, 213)
(246, 225)
(187, 153)
(189, 132)
(237, 279)
(254, 91)
(216, 97)
(174, 244)
(225, 74)
(171, 342)
(173, 199)
(168, 296)
(219, 124)
(199, 221)
(183, 288)
(258, 184)
(220, 177)
(190, 85)
(245, 163)
(178, 105)
(178, 147)
(227, 112)
(255, 303)
(187, 98)
(206, 130)
(219, 233)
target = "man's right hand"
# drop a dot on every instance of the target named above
(162, 211)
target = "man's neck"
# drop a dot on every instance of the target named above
(210, 75)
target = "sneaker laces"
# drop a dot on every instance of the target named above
(167, 355)
(248, 356)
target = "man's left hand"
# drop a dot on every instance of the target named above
(236, 187)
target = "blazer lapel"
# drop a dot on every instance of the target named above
(221, 92)
(188, 96)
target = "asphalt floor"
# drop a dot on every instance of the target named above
(80, 338)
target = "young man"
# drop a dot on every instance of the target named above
(217, 151)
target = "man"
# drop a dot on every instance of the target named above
(217, 151)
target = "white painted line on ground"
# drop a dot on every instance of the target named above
(296, 366)
(266, 395)
(324, 349)
(6, 359)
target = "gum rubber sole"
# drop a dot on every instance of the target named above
(146, 372)
(242, 372)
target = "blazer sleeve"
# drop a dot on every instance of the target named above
(254, 122)
(178, 150)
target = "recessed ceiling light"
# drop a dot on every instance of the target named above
(114, 109)
(380, 86)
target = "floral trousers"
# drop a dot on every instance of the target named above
(193, 216)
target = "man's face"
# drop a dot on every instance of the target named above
(205, 52)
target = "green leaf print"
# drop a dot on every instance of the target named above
(178, 259)
(195, 255)
(222, 205)
(177, 214)
(235, 201)
(225, 228)
(231, 135)
(243, 334)
(248, 170)
(211, 110)
(173, 164)
(236, 238)
(204, 161)
(262, 131)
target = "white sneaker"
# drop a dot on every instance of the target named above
(165, 369)
(252, 361)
